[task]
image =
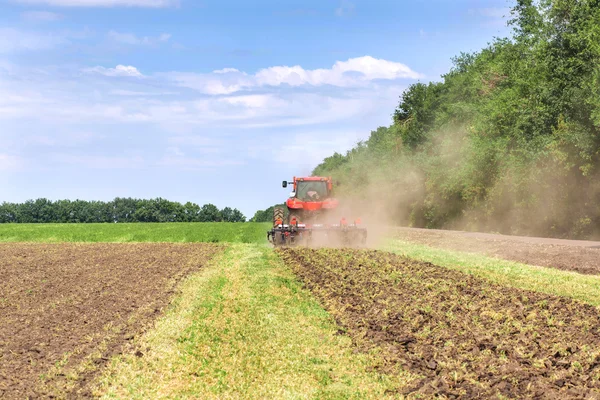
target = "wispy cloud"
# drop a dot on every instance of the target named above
(346, 8)
(69, 139)
(313, 147)
(41, 16)
(140, 93)
(99, 161)
(196, 128)
(13, 40)
(119, 70)
(196, 141)
(9, 162)
(298, 12)
(104, 3)
(175, 157)
(225, 70)
(131, 39)
(91, 101)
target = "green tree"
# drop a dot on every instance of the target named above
(209, 213)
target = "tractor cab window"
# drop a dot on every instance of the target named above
(311, 190)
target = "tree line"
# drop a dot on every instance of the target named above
(507, 141)
(118, 210)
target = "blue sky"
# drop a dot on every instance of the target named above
(209, 101)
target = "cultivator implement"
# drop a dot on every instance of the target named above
(318, 235)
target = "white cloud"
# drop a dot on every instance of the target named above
(41, 16)
(200, 131)
(99, 161)
(309, 147)
(314, 147)
(126, 38)
(174, 151)
(13, 40)
(122, 92)
(9, 162)
(104, 3)
(164, 37)
(343, 73)
(222, 82)
(119, 70)
(353, 72)
(131, 39)
(225, 70)
(175, 157)
(202, 141)
(40, 140)
(92, 100)
(69, 139)
(253, 100)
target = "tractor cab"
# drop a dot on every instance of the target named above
(310, 197)
(311, 189)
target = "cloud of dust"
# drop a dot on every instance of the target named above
(462, 187)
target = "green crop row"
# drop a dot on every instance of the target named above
(213, 232)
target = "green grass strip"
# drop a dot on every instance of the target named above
(585, 288)
(244, 328)
(213, 232)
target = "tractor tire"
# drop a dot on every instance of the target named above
(278, 214)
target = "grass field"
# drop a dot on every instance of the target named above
(212, 232)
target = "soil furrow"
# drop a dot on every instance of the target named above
(66, 308)
(465, 336)
(579, 256)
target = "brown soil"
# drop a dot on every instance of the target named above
(579, 256)
(465, 337)
(65, 308)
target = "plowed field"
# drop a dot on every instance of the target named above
(570, 255)
(64, 309)
(464, 336)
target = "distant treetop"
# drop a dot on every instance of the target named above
(118, 210)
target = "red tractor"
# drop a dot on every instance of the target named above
(312, 217)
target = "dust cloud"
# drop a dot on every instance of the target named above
(547, 197)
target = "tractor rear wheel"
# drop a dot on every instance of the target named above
(278, 215)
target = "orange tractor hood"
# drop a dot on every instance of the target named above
(296, 204)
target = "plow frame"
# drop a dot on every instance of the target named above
(294, 235)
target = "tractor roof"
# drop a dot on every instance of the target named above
(313, 178)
